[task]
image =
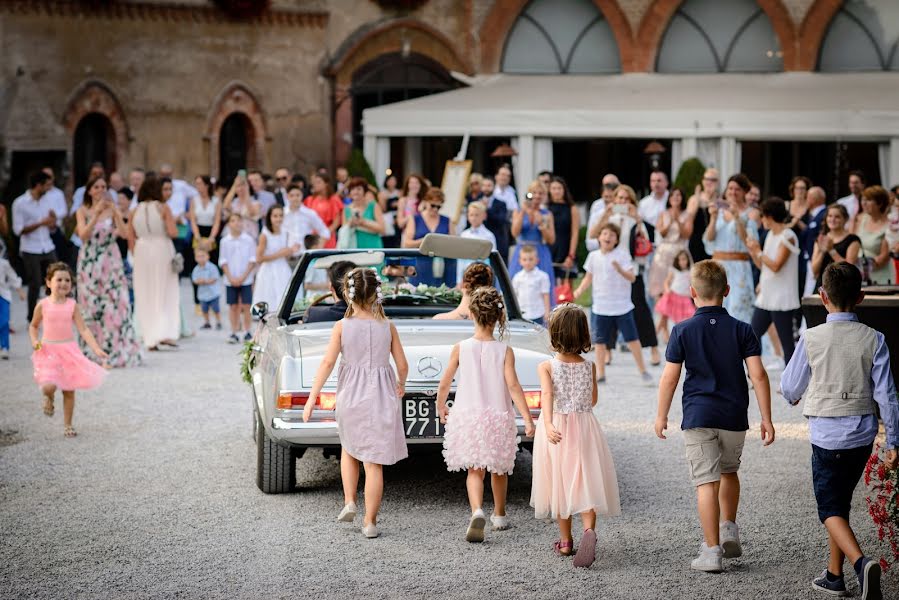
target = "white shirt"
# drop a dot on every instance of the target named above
(238, 253)
(478, 233)
(530, 286)
(300, 223)
(611, 291)
(596, 210)
(780, 291)
(852, 205)
(28, 211)
(57, 200)
(9, 281)
(651, 207)
(266, 199)
(507, 195)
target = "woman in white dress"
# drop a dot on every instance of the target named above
(274, 248)
(156, 295)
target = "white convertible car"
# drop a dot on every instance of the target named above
(286, 352)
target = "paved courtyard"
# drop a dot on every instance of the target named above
(156, 498)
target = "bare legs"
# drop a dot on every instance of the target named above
(717, 502)
(374, 485)
(474, 484)
(602, 354)
(662, 328)
(588, 519)
(68, 406)
(637, 353)
(842, 544)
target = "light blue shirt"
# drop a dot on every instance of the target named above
(843, 433)
(206, 292)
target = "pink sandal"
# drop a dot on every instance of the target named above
(563, 548)
(586, 553)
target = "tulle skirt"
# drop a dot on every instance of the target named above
(676, 307)
(480, 439)
(66, 367)
(575, 475)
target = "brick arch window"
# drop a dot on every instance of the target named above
(708, 36)
(236, 132)
(862, 36)
(561, 36)
(95, 120)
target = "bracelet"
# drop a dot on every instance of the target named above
(37, 346)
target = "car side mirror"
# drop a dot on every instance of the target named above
(259, 310)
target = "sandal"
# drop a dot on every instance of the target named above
(70, 432)
(563, 548)
(169, 343)
(586, 554)
(48, 406)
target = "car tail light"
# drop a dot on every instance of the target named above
(533, 399)
(288, 400)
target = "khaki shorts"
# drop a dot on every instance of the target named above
(712, 452)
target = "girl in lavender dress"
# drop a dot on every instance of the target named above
(480, 429)
(369, 420)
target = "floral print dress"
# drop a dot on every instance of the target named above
(103, 298)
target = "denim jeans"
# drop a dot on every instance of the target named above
(4, 324)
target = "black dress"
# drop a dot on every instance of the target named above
(841, 248)
(395, 240)
(696, 245)
(562, 223)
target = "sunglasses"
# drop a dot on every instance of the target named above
(437, 206)
(710, 179)
(283, 178)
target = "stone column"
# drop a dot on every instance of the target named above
(412, 156)
(525, 170)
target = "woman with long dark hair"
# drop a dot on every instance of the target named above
(567, 225)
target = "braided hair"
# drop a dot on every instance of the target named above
(487, 308)
(362, 288)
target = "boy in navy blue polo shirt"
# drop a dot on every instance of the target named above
(713, 346)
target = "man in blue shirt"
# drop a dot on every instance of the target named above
(842, 368)
(714, 346)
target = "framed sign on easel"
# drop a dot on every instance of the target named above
(455, 187)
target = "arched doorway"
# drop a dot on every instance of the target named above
(94, 142)
(393, 78)
(236, 145)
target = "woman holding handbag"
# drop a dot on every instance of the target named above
(156, 294)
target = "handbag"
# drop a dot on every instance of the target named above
(642, 245)
(177, 263)
(563, 291)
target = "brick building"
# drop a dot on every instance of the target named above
(208, 88)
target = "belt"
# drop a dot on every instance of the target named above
(730, 256)
(57, 341)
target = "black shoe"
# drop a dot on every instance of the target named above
(869, 580)
(247, 336)
(832, 588)
(206, 326)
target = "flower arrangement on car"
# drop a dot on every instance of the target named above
(883, 504)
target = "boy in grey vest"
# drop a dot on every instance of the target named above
(841, 368)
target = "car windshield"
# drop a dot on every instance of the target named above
(412, 285)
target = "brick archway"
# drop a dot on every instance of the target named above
(812, 31)
(657, 17)
(236, 97)
(502, 16)
(94, 96)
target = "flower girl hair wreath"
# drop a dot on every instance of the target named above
(362, 287)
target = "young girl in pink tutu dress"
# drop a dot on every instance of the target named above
(573, 471)
(676, 303)
(480, 432)
(57, 359)
(369, 421)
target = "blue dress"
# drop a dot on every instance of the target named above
(424, 266)
(531, 235)
(739, 303)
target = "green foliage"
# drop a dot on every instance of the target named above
(689, 176)
(247, 362)
(357, 166)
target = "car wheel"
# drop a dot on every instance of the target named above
(275, 465)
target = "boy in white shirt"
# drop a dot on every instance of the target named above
(237, 259)
(610, 271)
(531, 287)
(476, 214)
(301, 221)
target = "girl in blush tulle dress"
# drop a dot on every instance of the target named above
(676, 303)
(573, 471)
(481, 434)
(57, 359)
(369, 419)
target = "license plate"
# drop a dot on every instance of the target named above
(420, 416)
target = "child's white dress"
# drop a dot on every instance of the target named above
(480, 430)
(273, 276)
(577, 474)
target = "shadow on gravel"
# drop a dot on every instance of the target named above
(9, 437)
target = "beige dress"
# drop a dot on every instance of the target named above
(156, 298)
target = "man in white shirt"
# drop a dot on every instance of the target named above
(300, 220)
(56, 199)
(653, 205)
(609, 184)
(32, 220)
(853, 202)
(135, 180)
(504, 191)
(265, 198)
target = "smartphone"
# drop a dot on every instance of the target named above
(721, 204)
(619, 209)
(242, 173)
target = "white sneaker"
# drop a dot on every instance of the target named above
(370, 531)
(348, 514)
(729, 538)
(499, 522)
(476, 525)
(4, 354)
(709, 559)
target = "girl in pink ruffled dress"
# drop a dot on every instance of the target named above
(57, 359)
(676, 303)
(573, 471)
(481, 434)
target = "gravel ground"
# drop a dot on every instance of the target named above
(156, 498)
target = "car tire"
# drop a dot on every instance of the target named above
(275, 465)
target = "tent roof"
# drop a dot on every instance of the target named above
(747, 106)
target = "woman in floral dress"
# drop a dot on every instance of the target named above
(102, 287)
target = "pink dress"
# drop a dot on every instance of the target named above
(577, 474)
(369, 416)
(676, 303)
(60, 361)
(480, 430)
